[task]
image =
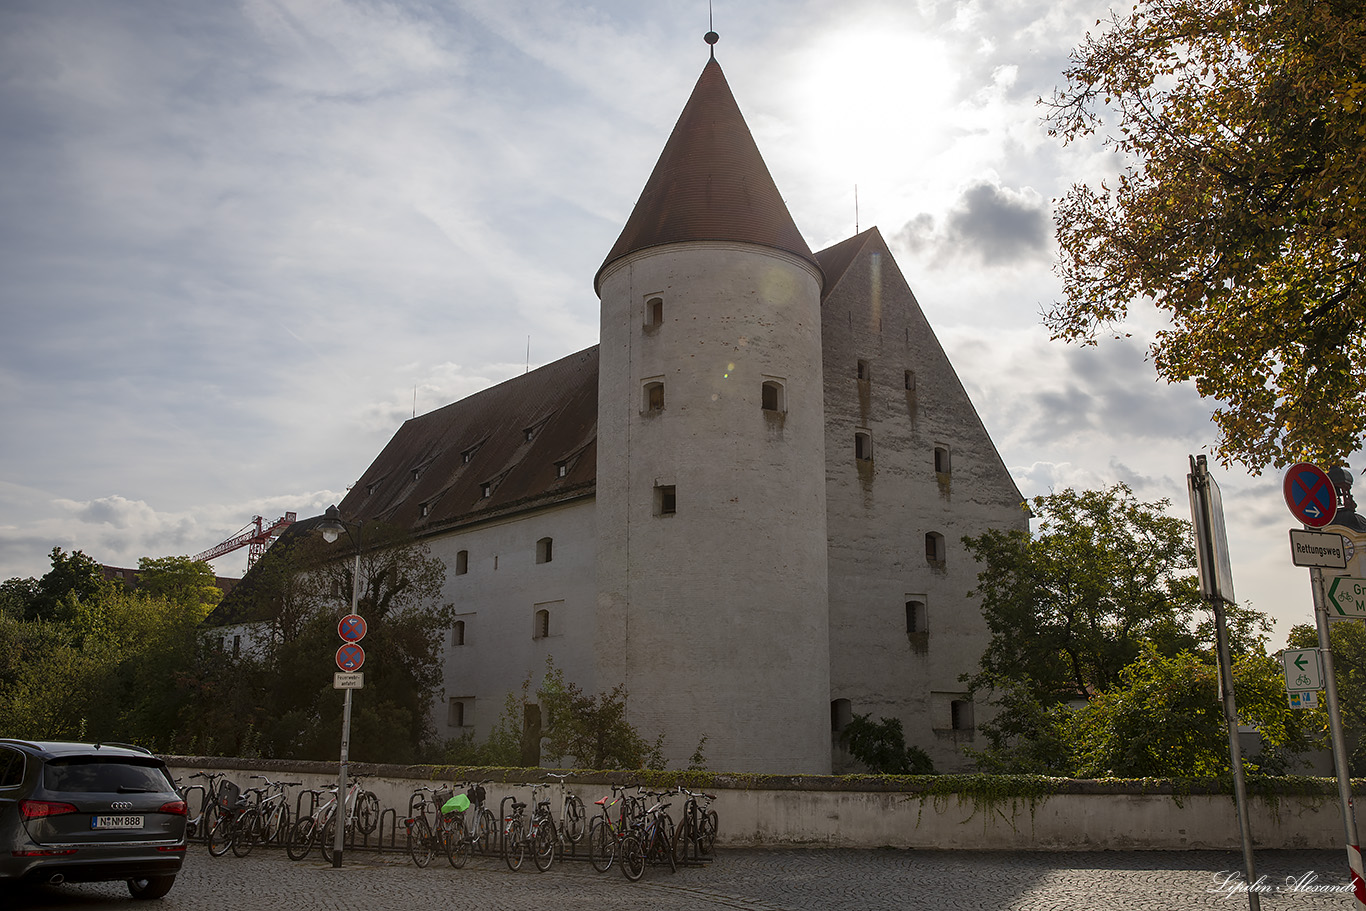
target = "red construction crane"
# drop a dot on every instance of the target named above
(255, 536)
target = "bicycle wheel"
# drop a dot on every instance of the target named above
(420, 841)
(684, 844)
(461, 848)
(367, 813)
(300, 840)
(220, 836)
(664, 848)
(706, 841)
(632, 857)
(601, 845)
(574, 819)
(327, 841)
(543, 845)
(248, 831)
(514, 845)
(486, 832)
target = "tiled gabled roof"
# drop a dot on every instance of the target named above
(512, 437)
(710, 183)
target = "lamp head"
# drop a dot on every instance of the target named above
(331, 526)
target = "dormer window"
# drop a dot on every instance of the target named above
(485, 490)
(425, 509)
(468, 455)
(562, 469)
(417, 473)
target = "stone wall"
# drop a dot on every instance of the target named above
(821, 811)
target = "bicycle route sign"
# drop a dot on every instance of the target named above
(1347, 599)
(351, 628)
(1310, 495)
(350, 657)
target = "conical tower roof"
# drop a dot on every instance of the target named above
(710, 183)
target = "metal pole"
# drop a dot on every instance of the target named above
(1330, 686)
(1235, 750)
(339, 839)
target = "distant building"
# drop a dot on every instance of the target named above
(746, 503)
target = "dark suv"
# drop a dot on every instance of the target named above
(81, 812)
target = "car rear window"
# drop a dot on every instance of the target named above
(97, 774)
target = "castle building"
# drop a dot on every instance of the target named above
(746, 503)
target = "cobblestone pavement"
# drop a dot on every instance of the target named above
(753, 880)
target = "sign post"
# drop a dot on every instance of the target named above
(1216, 587)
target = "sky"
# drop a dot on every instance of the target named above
(241, 241)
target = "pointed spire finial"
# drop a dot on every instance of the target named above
(711, 37)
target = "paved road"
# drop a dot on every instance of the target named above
(753, 880)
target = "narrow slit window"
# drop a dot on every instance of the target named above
(910, 381)
(654, 313)
(544, 553)
(542, 625)
(916, 621)
(934, 547)
(865, 371)
(863, 446)
(941, 459)
(462, 562)
(458, 633)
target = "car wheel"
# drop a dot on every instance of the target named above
(151, 886)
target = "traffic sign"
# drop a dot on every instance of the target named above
(352, 628)
(1310, 494)
(350, 657)
(1302, 670)
(1318, 548)
(354, 681)
(1347, 598)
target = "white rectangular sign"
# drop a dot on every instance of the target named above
(1305, 700)
(1347, 598)
(344, 681)
(1317, 548)
(1302, 669)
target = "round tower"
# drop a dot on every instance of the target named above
(712, 580)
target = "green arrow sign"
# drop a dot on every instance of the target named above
(1302, 670)
(1347, 598)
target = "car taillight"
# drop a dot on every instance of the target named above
(174, 807)
(37, 809)
(49, 852)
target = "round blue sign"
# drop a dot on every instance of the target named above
(1310, 495)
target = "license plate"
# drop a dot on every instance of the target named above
(116, 822)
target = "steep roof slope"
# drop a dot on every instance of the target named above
(710, 183)
(513, 437)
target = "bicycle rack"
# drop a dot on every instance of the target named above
(199, 833)
(393, 830)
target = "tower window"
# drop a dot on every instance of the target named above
(865, 371)
(654, 313)
(666, 499)
(941, 459)
(910, 381)
(916, 619)
(458, 633)
(772, 396)
(934, 547)
(960, 715)
(863, 446)
(654, 396)
(541, 629)
(543, 551)
(462, 562)
(841, 713)
(456, 714)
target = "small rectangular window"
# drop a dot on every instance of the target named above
(541, 630)
(654, 313)
(462, 562)
(916, 619)
(961, 715)
(458, 633)
(863, 446)
(455, 716)
(654, 396)
(486, 490)
(666, 500)
(561, 469)
(544, 554)
(865, 371)
(771, 396)
(941, 459)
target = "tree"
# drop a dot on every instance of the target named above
(1238, 211)
(1074, 604)
(881, 747)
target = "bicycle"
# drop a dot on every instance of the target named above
(656, 834)
(573, 819)
(306, 829)
(360, 814)
(265, 821)
(198, 826)
(483, 825)
(536, 835)
(425, 839)
(605, 833)
(695, 838)
(233, 803)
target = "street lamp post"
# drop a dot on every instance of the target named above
(332, 527)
